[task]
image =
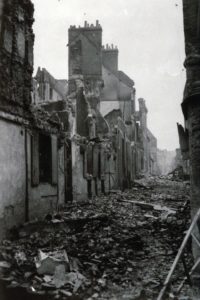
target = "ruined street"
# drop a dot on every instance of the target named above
(119, 246)
(100, 150)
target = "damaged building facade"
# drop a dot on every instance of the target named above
(30, 181)
(136, 146)
(47, 89)
(65, 140)
(108, 144)
(119, 144)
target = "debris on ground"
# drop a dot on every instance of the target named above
(119, 246)
(47, 263)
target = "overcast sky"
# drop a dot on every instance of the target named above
(149, 35)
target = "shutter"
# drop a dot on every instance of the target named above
(103, 157)
(54, 153)
(85, 164)
(35, 159)
(90, 159)
(95, 160)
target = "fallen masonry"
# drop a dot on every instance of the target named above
(119, 246)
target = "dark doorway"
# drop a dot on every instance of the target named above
(45, 158)
(89, 188)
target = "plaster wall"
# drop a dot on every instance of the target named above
(107, 106)
(78, 181)
(115, 95)
(12, 175)
(111, 86)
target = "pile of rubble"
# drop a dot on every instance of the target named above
(119, 246)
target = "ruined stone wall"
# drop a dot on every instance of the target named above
(123, 150)
(62, 112)
(112, 119)
(133, 167)
(79, 181)
(49, 89)
(102, 128)
(16, 55)
(111, 172)
(121, 154)
(90, 65)
(82, 121)
(152, 149)
(148, 141)
(143, 126)
(48, 93)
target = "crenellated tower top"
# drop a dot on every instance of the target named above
(87, 26)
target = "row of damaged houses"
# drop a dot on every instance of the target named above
(108, 141)
(65, 140)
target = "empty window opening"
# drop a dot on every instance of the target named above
(103, 186)
(89, 188)
(51, 93)
(45, 158)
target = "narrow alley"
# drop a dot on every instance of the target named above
(119, 246)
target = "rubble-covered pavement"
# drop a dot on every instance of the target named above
(119, 246)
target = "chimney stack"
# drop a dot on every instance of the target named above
(110, 57)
